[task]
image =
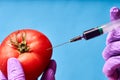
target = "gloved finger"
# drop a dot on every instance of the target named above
(53, 65)
(115, 34)
(15, 71)
(112, 49)
(112, 68)
(119, 75)
(114, 76)
(49, 74)
(2, 77)
(114, 13)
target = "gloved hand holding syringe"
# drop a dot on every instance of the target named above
(94, 32)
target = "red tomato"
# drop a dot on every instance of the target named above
(30, 47)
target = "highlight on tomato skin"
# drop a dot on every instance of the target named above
(30, 48)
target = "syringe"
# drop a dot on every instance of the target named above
(94, 32)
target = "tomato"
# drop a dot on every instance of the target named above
(30, 47)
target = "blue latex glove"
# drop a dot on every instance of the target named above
(111, 53)
(15, 71)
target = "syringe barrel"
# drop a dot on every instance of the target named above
(110, 26)
(91, 33)
(88, 34)
(94, 32)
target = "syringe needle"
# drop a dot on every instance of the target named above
(71, 40)
(61, 44)
(58, 45)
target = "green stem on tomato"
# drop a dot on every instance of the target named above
(21, 46)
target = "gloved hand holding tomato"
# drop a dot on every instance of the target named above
(111, 53)
(28, 48)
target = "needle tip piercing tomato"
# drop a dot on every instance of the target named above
(30, 47)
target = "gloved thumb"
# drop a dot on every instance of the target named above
(15, 71)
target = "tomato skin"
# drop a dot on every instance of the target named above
(35, 60)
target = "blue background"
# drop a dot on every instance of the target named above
(61, 20)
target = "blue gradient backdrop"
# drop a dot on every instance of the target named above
(61, 20)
